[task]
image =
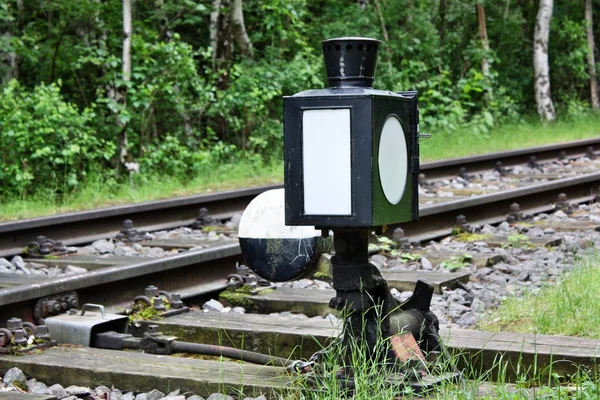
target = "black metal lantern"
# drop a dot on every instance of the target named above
(351, 151)
(351, 164)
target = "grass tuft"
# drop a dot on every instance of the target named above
(569, 308)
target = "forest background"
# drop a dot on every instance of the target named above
(136, 91)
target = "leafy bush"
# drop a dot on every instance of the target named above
(45, 141)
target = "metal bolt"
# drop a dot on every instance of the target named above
(398, 234)
(151, 291)
(53, 306)
(422, 178)
(563, 155)
(242, 270)
(42, 332)
(463, 173)
(251, 280)
(19, 337)
(532, 162)
(562, 197)
(461, 220)
(40, 239)
(176, 301)
(203, 213)
(500, 167)
(74, 303)
(14, 323)
(33, 247)
(152, 329)
(58, 246)
(590, 153)
(514, 207)
(127, 225)
(158, 304)
(46, 248)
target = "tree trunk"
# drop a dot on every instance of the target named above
(443, 10)
(545, 107)
(388, 54)
(127, 31)
(126, 39)
(507, 9)
(590, 56)
(238, 28)
(214, 29)
(485, 45)
(20, 17)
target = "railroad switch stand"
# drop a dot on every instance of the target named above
(351, 156)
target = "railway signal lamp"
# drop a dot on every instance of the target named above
(351, 151)
(351, 157)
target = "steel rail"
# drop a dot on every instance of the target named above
(437, 220)
(87, 226)
(190, 274)
(204, 271)
(451, 167)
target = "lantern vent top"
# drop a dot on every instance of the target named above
(350, 61)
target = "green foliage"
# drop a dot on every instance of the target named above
(457, 262)
(473, 237)
(519, 240)
(184, 112)
(46, 143)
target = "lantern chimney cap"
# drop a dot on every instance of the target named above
(350, 61)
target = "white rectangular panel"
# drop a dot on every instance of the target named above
(326, 162)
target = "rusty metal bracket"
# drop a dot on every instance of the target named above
(159, 299)
(21, 337)
(244, 277)
(42, 247)
(54, 305)
(129, 234)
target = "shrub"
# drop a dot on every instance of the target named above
(45, 141)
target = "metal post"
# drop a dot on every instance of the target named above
(361, 292)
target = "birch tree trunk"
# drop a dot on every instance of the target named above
(214, 29)
(10, 59)
(238, 28)
(590, 56)
(545, 107)
(485, 45)
(127, 31)
(386, 36)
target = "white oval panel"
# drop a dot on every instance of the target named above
(264, 218)
(393, 160)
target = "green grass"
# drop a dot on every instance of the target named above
(373, 380)
(527, 132)
(97, 192)
(568, 308)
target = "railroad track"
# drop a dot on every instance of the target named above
(87, 226)
(111, 281)
(203, 271)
